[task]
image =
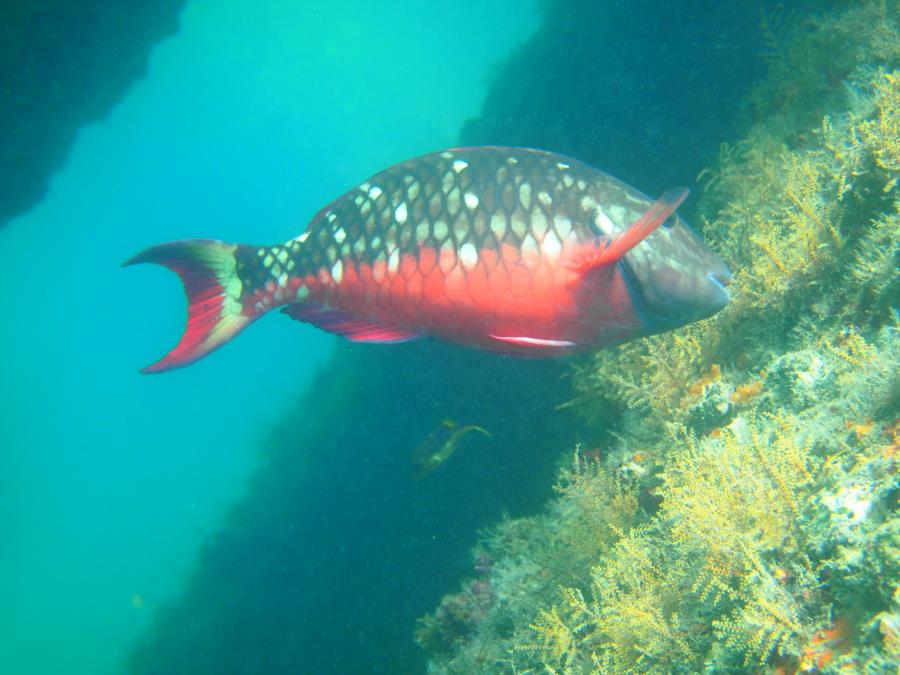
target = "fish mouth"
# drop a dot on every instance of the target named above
(721, 280)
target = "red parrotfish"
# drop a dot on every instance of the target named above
(510, 250)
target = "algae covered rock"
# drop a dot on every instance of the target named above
(770, 430)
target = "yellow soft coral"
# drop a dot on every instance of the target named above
(740, 492)
(882, 134)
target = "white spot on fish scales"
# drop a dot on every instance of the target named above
(519, 227)
(551, 246)
(544, 198)
(400, 213)
(440, 230)
(471, 200)
(447, 257)
(447, 155)
(525, 195)
(538, 224)
(282, 256)
(447, 183)
(337, 272)
(529, 245)
(603, 222)
(394, 260)
(375, 192)
(498, 225)
(468, 255)
(303, 237)
(453, 201)
(562, 225)
(618, 214)
(562, 166)
(340, 235)
(459, 165)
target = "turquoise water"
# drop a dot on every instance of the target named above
(250, 118)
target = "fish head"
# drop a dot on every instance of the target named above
(674, 278)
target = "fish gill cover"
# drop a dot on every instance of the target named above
(730, 501)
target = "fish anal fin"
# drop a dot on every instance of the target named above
(347, 325)
(608, 252)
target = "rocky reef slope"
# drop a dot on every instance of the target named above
(733, 507)
(62, 65)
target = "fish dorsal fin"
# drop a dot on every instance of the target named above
(347, 325)
(610, 252)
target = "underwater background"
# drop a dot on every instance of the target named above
(720, 498)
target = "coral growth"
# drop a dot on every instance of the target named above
(459, 613)
(775, 545)
(759, 532)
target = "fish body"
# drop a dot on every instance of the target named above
(439, 446)
(510, 250)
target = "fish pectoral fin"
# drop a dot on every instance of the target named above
(609, 251)
(347, 325)
(525, 341)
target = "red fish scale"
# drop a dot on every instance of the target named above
(464, 244)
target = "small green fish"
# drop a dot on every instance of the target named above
(439, 446)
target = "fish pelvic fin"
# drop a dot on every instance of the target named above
(613, 251)
(347, 326)
(207, 269)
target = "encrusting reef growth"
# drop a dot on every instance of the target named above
(736, 507)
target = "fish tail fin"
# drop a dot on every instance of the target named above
(208, 271)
